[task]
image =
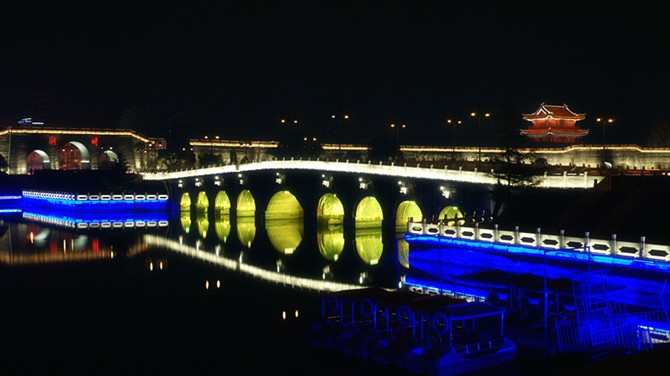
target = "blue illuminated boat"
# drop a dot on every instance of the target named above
(430, 334)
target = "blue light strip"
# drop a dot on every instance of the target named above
(10, 197)
(571, 255)
(10, 211)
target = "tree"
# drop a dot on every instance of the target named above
(511, 173)
(209, 159)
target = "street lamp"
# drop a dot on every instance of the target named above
(453, 124)
(397, 136)
(478, 115)
(339, 129)
(605, 122)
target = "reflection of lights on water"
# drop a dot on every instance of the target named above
(218, 283)
(111, 254)
(181, 240)
(232, 264)
(32, 238)
(197, 245)
(217, 249)
(283, 315)
(296, 313)
(280, 266)
(362, 277)
(151, 266)
(288, 251)
(207, 285)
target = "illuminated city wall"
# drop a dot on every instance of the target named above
(17, 144)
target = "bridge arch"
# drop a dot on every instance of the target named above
(222, 207)
(246, 221)
(283, 205)
(107, 159)
(74, 156)
(38, 160)
(329, 210)
(185, 212)
(368, 213)
(202, 203)
(407, 209)
(450, 212)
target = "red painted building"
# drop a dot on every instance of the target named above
(554, 123)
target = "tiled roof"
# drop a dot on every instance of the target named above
(553, 111)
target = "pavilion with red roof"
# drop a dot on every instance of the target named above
(554, 123)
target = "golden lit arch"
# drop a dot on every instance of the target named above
(185, 202)
(369, 244)
(330, 210)
(222, 204)
(330, 239)
(369, 213)
(246, 230)
(202, 203)
(406, 210)
(202, 221)
(283, 205)
(246, 205)
(285, 234)
(450, 212)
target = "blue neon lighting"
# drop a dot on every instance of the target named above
(10, 197)
(572, 255)
(463, 291)
(10, 210)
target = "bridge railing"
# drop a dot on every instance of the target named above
(564, 180)
(605, 247)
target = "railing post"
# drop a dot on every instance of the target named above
(424, 230)
(476, 230)
(538, 240)
(516, 234)
(496, 235)
(440, 228)
(409, 224)
(561, 240)
(613, 249)
(643, 251)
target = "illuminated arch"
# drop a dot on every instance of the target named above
(283, 205)
(246, 205)
(330, 210)
(246, 230)
(74, 156)
(37, 160)
(403, 252)
(107, 159)
(222, 216)
(369, 244)
(222, 226)
(202, 221)
(185, 212)
(285, 234)
(222, 204)
(451, 212)
(185, 202)
(369, 213)
(330, 239)
(406, 210)
(202, 203)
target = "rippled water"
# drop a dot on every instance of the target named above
(187, 298)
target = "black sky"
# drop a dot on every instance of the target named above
(235, 67)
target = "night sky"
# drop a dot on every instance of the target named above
(234, 68)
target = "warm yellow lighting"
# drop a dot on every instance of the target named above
(487, 114)
(218, 283)
(283, 315)
(206, 285)
(473, 114)
(346, 116)
(151, 266)
(296, 313)
(282, 121)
